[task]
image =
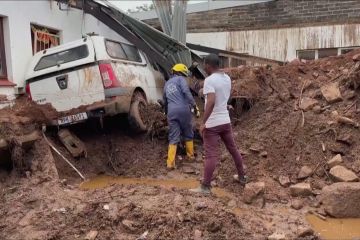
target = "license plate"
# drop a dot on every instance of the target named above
(72, 118)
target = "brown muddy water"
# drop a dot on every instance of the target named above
(335, 229)
(331, 229)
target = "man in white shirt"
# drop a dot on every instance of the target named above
(216, 123)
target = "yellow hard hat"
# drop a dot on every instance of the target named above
(181, 68)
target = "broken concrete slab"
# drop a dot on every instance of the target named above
(72, 143)
(253, 191)
(284, 181)
(300, 190)
(341, 200)
(337, 160)
(307, 103)
(331, 92)
(304, 172)
(342, 174)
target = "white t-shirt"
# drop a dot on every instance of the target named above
(220, 84)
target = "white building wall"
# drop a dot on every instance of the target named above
(18, 15)
(280, 44)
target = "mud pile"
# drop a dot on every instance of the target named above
(303, 114)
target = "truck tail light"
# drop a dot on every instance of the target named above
(28, 92)
(108, 76)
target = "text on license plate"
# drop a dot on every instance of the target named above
(72, 118)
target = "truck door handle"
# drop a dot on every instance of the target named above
(62, 81)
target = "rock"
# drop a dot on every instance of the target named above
(315, 74)
(342, 174)
(284, 181)
(341, 200)
(317, 109)
(297, 204)
(27, 219)
(356, 57)
(263, 154)
(331, 92)
(337, 160)
(91, 235)
(256, 148)
(304, 232)
(300, 189)
(232, 203)
(214, 226)
(200, 205)
(308, 103)
(304, 172)
(129, 225)
(346, 139)
(106, 207)
(277, 236)
(350, 94)
(197, 235)
(253, 191)
(113, 211)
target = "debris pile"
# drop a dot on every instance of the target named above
(296, 125)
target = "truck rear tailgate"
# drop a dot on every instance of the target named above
(67, 77)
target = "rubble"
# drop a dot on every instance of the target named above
(342, 174)
(297, 204)
(341, 200)
(331, 92)
(284, 181)
(308, 103)
(304, 172)
(253, 191)
(91, 235)
(282, 133)
(300, 190)
(337, 160)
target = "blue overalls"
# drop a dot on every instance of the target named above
(178, 101)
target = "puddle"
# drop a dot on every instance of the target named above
(188, 183)
(348, 228)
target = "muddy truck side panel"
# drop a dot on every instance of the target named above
(93, 77)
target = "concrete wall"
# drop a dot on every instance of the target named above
(281, 43)
(18, 15)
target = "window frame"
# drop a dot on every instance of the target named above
(127, 58)
(2, 50)
(69, 49)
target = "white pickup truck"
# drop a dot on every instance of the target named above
(94, 77)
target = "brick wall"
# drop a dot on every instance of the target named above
(273, 14)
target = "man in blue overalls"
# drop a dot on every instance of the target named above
(179, 103)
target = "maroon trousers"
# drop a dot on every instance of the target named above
(212, 152)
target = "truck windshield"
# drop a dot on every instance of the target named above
(62, 57)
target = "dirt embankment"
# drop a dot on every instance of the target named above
(299, 115)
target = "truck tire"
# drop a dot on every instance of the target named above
(135, 120)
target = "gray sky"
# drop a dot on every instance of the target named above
(125, 5)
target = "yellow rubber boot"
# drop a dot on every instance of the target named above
(171, 156)
(190, 149)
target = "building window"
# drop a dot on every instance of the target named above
(43, 38)
(327, 52)
(306, 54)
(3, 73)
(347, 50)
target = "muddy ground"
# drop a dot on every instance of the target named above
(276, 134)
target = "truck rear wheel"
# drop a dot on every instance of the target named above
(138, 104)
